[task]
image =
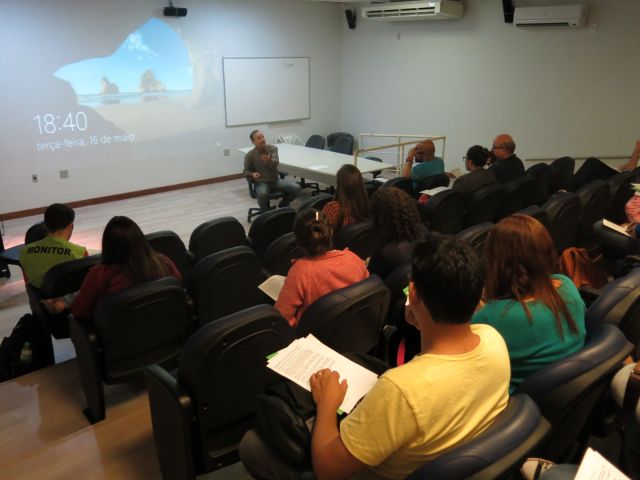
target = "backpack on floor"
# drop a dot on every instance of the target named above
(28, 348)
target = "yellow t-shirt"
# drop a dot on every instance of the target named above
(432, 403)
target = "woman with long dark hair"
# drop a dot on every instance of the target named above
(127, 260)
(540, 314)
(351, 204)
(323, 270)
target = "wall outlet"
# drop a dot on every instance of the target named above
(34, 178)
(226, 152)
(64, 173)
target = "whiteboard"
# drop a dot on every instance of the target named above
(264, 90)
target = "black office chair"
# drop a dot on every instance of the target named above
(254, 211)
(200, 414)
(594, 202)
(518, 194)
(444, 212)
(317, 202)
(541, 173)
(333, 137)
(131, 329)
(361, 238)
(568, 390)
(349, 319)
(537, 213)
(563, 210)
(476, 236)
(171, 245)
(270, 226)
(279, 255)
(621, 192)
(496, 453)
(483, 205)
(343, 144)
(216, 235)
(315, 141)
(226, 282)
(619, 250)
(561, 173)
(402, 183)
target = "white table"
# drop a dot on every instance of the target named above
(319, 165)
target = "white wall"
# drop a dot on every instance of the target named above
(40, 36)
(558, 91)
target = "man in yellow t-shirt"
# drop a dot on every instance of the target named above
(449, 393)
(38, 257)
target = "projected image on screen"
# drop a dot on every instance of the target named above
(151, 65)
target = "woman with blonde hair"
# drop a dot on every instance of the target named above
(540, 314)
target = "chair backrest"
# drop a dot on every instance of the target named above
(483, 204)
(316, 201)
(400, 182)
(332, 137)
(444, 212)
(278, 256)
(226, 282)
(171, 245)
(536, 212)
(349, 319)
(397, 281)
(343, 144)
(541, 173)
(216, 235)
(223, 367)
(621, 192)
(594, 201)
(518, 194)
(141, 325)
(361, 238)
(268, 226)
(567, 390)
(434, 181)
(561, 173)
(67, 277)
(563, 211)
(495, 453)
(614, 245)
(289, 137)
(35, 232)
(315, 141)
(476, 236)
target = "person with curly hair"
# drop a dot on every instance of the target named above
(395, 215)
(351, 204)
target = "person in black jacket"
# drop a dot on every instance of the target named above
(507, 166)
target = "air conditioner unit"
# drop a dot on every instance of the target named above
(419, 10)
(556, 16)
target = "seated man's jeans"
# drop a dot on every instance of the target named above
(263, 189)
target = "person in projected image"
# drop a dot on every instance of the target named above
(261, 166)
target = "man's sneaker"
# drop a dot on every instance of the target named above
(532, 468)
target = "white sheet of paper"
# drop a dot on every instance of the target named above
(615, 226)
(305, 356)
(318, 167)
(380, 179)
(595, 467)
(273, 285)
(431, 192)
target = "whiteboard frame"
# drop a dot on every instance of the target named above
(224, 80)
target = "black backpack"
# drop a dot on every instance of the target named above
(18, 358)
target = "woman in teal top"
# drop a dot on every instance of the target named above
(540, 315)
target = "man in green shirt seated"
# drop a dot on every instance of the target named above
(449, 393)
(422, 162)
(38, 257)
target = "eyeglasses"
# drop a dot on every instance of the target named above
(498, 147)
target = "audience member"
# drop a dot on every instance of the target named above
(595, 169)
(447, 395)
(396, 217)
(322, 271)
(127, 260)
(478, 176)
(422, 163)
(539, 314)
(507, 165)
(261, 165)
(38, 257)
(351, 204)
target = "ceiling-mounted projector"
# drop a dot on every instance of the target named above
(172, 11)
